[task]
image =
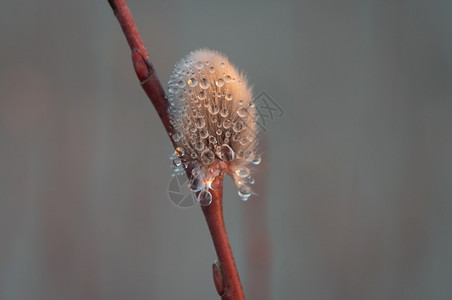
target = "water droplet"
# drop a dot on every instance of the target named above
(214, 109)
(202, 95)
(195, 184)
(227, 78)
(181, 84)
(251, 104)
(251, 180)
(249, 155)
(203, 133)
(200, 122)
(199, 65)
(219, 132)
(219, 82)
(204, 198)
(199, 145)
(240, 154)
(222, 65)
(242, 112)
(244, 192)
(228, 97)
(243, 141)
(226, 124)
(179, 152)
(177, 162)
(216, 183)
(226, 153)
(238, 126)
(257, 159)
(242, 172)
(192, 82)
(224, 112)
(207, 157)
(240, 102)
(227, 133)
(212, 140)
(212, 69)
(193, 155)
(204, 83)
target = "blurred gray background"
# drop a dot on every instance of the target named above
(355, 188)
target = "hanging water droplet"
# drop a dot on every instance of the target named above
(240, 102)
(244, 192)
(181, 84)
(251, 180)
(256, 160)
(212, 69)
(195, 184)
(251, 104)
(204, 198)
(219, 82)
(179, 152)
(199, 65)
(200, 122)
(224, 112)
(202, 95)
(249, 155)
(214, 109)
(192, 82)
(207, 157)
(228, 97)
(204, 83)
(242, 172)
(226, 153)
(177, 162)
(242, 112)
(203, 133)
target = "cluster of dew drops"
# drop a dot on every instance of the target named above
(215, 132)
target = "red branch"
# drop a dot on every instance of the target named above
(226, 277)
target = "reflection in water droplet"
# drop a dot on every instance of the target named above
(244, 192)
(207, 157)
(216, 183)
(204, 83)
(257, 159)
(200, 122)
(219, 82)
(177, 162)
(179, 152)
(203, 133)
(226, 153)
(242, 112)
(202, 95)
(214, 109)
(195, 184)
(192, 82)
(224, 112)
(199, 65)
(204, 198)
(242, 172)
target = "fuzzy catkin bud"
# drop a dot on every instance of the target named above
(212, 111)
